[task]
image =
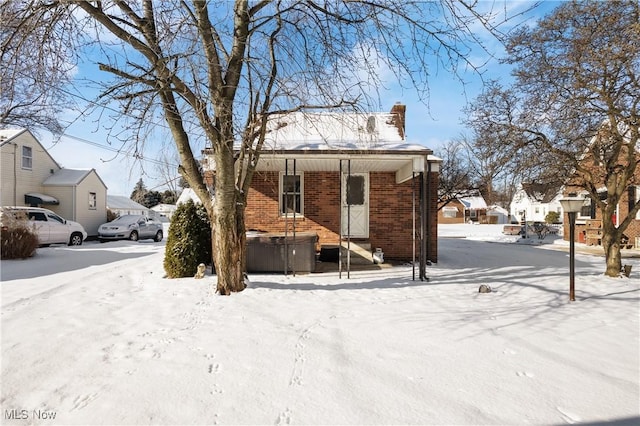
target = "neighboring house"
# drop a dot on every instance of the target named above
(31, 177)
(533, 201)
(498, 215)
(186, 195)
(122, 205)
(347, 175)
(164, 211)
(589, 219)
(464, 209)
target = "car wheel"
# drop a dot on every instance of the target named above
(133, 236)
(76, 239)
(158, 237)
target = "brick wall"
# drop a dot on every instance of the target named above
(390, 207)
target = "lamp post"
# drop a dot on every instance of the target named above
(572, 206)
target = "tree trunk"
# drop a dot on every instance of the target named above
(229, 247)
(229, 230)
(611, 245)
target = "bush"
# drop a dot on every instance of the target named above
(17, 239)
(552, 217)
(189, 241)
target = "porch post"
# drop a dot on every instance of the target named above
(293, 253)
(348, 219)
(413, 220)
(340, 222)
(423, 226)
(286, 216)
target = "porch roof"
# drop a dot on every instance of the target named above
(402, 163)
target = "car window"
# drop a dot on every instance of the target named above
(141, 222)
(39, 216)
(55, 217)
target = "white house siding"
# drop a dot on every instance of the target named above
(74, 202)
(17, 181)
(535, 210)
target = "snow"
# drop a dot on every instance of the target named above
(95, 335)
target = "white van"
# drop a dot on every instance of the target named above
(51, 228)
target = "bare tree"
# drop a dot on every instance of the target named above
(37, 61)
(573, 111)
(217, 72)
(455, 178)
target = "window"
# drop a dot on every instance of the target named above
(55, 217)
(37, 216)
(636, 191)
(449, 211)
(291, 194)
(93, 201)
(356, 189)
(27, 157)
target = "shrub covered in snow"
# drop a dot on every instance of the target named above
(189, 241)
(18, 239)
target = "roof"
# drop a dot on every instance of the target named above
(122, 202)
(542, 192)
(474, 203)
(66, 177)
(7, 134)
(186, 195)
(164, 207)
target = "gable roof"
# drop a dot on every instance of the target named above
(327, 130)
(542, 192)
(474, 203)
(8, 135)
(122, 202)
(66, 177)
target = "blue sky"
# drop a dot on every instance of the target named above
(85, 146)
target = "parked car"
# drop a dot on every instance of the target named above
(51, 228)
(131, 227)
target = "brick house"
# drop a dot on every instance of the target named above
(463, 209)
(589, 219)
(347, 177)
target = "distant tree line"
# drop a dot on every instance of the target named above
(149, 198)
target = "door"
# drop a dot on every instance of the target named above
(58, 229)
(40, 224)
(355, 205)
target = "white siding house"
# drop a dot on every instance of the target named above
(30, 176)
(532, 202)
(122, 205)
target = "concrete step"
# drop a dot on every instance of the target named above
(359, 252)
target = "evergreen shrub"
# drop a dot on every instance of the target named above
(189, 241)
(552, 217)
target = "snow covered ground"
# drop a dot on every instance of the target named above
(95, 335)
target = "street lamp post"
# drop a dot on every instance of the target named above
(572, 206)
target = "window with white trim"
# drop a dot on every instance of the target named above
(27, 157)
(449, 211)
(637, 191)
(93, 201)
(291, 194)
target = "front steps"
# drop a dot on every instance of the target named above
(359, 252)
